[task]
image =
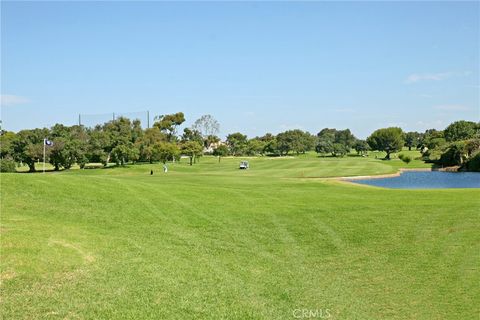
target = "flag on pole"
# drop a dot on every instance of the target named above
(49, 143)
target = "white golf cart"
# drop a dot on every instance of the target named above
(244, 165)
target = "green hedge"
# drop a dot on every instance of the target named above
(7, 165)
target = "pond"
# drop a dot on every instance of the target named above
(425, 180)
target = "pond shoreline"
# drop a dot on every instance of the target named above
(378, 176)
(388, 175)
(400, 171)
(426, 178)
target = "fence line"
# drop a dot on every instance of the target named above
(91, 120)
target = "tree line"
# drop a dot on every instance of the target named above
(122, 141)
(457, 145)
(119, 141)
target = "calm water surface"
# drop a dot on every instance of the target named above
(426, 180)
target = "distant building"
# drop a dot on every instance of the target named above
(213, 146)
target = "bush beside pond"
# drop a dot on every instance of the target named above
(474, 163)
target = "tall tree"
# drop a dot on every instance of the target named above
(329, 141)
(210, 141)
(6, 144)
(28, 146)
(125, 152)
(461, 130)
(136, 130)
(255, 146)
(345, 138)
(79, 136)
(270, 144)
(70, 146)
(237, 143)
(361, 146)
(432, 139)
(324, 146)
(221, 151)
(386, 139)
(192, 149)
(325, 141)
(206, 125)
(98, 146)
(7, 163)
(122, 134)
(327, 134)
(147, 141)
(192, 135)
(169, 123)
(165, 151)
(340, 150)
(296, 140)
(412, 139)
(61, 155)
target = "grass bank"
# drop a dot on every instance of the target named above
(210, 241)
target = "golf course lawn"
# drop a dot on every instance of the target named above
(210, 241)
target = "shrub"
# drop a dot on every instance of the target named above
(473, 163)
(7, 165)
(404, 158)
(454, 154)
(340, 150)
(472, 146)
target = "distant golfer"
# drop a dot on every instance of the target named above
(151, 172)
(165, 169)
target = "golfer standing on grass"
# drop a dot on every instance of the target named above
(165, 169)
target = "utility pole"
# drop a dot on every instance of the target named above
(79, 120)
(148, 119)
(44, 145)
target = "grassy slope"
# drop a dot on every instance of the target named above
(211, 241)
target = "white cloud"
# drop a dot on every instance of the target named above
(417, 77)
(430, 124)
(452, 107)
(397, 124)
(7, 100)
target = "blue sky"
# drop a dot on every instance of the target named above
(256, 67)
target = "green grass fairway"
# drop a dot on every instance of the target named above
(214, 242)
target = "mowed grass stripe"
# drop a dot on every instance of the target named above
(213, 242)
